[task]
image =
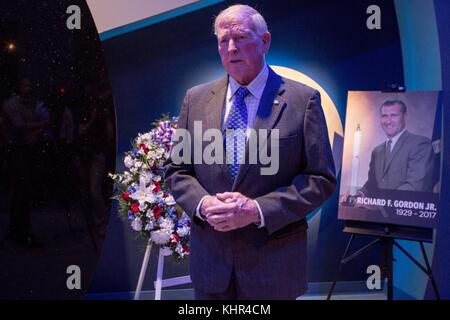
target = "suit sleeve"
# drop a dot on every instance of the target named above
(371, 184)
(316, 180)
(180, 177)
(420, 167)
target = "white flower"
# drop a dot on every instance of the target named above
(160, 152)
(160, 236)
(183, 231)
(144, 177)
(166, 251)
(127, 178)
(136, 224)
(143, 193)
(142, 206)
(151, 154)
(166, 224)
(148, 136)
(170, 201)
(138, 164)
(179, 250)
(134, 170)
(139, 138)
(128, 161)
(144, 138)
(149, 226)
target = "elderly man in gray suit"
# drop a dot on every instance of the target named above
(248, 237)
(404, 161)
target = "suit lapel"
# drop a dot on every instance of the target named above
(380, 159)
(215, 106)
(269, 110)
(214, 110)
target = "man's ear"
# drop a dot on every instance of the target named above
(266, 41)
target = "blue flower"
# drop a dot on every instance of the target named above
(184, 220)
(130, 215)
(135, 153)
(171, 215)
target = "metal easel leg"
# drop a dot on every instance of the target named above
(426, 270)
(387, 245)
(159, 275)
(341, 263)
(148, 250)
(430, 273)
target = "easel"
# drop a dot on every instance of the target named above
(386, 237)
(160, 282)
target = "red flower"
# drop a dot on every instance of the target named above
(153, 166)
(165, 195)
(134, 207)
(144, 147)
(157, 211)
(126, 196)
(157, 186)
(186, 248)
(176, 237)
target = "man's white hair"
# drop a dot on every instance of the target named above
(243, 12)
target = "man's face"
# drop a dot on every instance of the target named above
(26, 88)
(393, 120)
(241, 49)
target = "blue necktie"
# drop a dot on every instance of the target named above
(237, 119)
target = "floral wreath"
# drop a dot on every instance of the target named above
(143, 197)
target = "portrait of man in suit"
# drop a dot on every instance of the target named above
(404, 161)
(249, 230)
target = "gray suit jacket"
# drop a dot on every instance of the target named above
(410, 166)
(269, 262)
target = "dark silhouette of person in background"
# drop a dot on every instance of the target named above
(93, 139)
(25, 122)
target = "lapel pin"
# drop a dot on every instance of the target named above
(276, 102)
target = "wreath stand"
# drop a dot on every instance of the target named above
(160, 282)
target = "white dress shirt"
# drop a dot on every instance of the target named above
(395, 139)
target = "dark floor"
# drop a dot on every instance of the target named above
(317, 291)
(41, 272)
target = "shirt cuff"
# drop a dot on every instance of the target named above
(197, 211)
(261, 222)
